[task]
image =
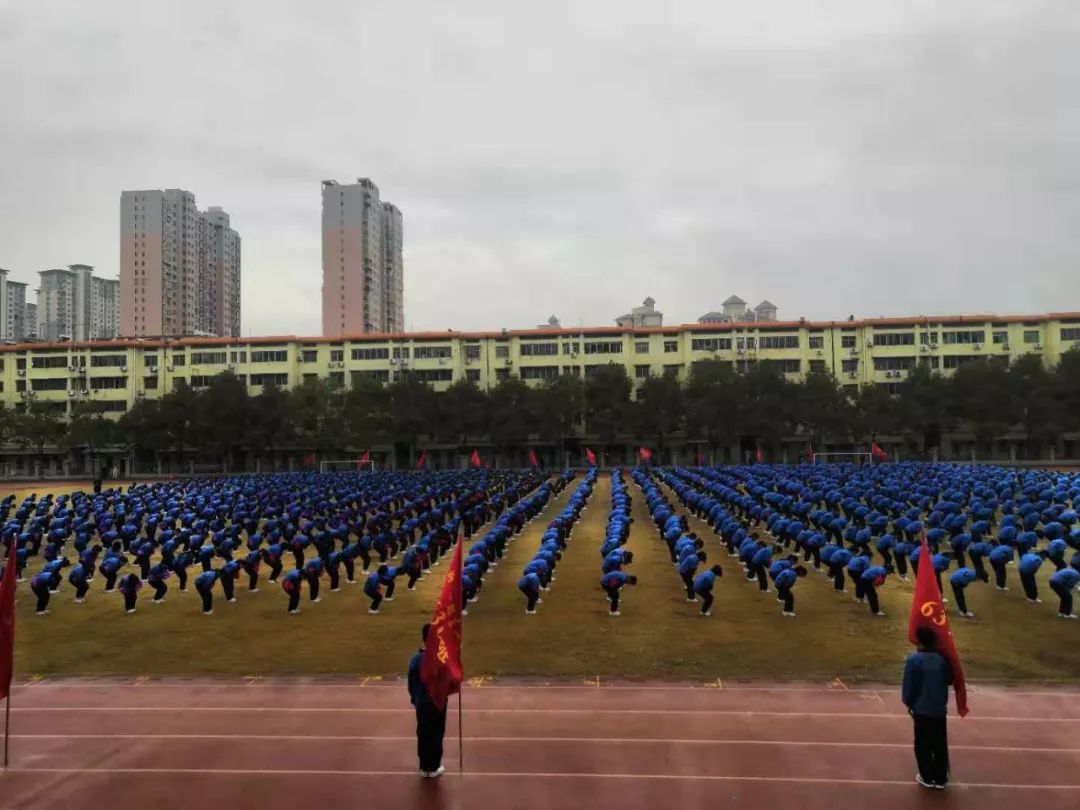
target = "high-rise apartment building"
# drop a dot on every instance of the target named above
(29, 321)
(74, 304)
(179, 267)
(363, 271)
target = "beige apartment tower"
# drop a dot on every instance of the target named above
(179, 267)
(362, 290)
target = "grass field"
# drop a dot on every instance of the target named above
(659, 634)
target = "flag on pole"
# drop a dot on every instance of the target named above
(533, 460)
(440, 670)
(421, 462)
(759, 455)
(927, 610)
(698, 456)
(474, 459)
(810, 453)
(877, 452)
(309, 460)
(7, 621)
(365, 458)
(646, 454)
(590, 456)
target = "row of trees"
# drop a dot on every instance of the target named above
(716, 407)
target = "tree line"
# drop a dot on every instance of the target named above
(716, 407)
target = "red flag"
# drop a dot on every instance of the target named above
(759, 455)
(474, 459)
(441, 670)
(365, 458)
(590, 456)
(7, 621)
(928, 611)
(533, 461)
(645, 453)
(309, 460)
(810, 453)
(698, 456)
(422, 460)
(877, 452)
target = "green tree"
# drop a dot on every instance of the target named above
(1034, 404)
(874, 411)
(176, 411)
(658, 410)
(316, 408)
(37, 427)
(1066, 388)
(822, 407)
(558, 406)
(714, 405)
(921, 407)
(223, 417)
(463, 413)
(367, 413)
(510, 417)
(270, 426)
(607, 402)
(413, 411)
(89, 430)
(770, 402)
(979, 396)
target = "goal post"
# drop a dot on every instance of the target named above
(346, 465)
(842, 458)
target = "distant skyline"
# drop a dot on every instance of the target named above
(836, 157)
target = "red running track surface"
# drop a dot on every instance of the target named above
(265, 745)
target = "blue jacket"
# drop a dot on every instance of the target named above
(206, 580)
(616, 579)
(417, 692)
(529, 582)
(786, 578)
(689, 565)
(1029, 563)
(925, 690)
(1067, 577)
(703, 582)
(963, 577)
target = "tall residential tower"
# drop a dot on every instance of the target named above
(362, 288)
(179, 267)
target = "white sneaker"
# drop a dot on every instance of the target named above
(42, 612)
(1034, 601)
(54, 592)
(879, 614)
(129, 612)
(530, 612)
(158, 601)
(373, 612)
(789, 613)
(79, 601)
(968, 615)
(296, 612)
(767, 590)
(707, 613)
(688, 599)
(1060, 615)
(208, 612)
(1001, 588)
(435, 774)
(614, 613)
(253, 590)
(385, 599)
(464, 613)
(231, 600)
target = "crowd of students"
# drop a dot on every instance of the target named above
(613, 557)
(837, 517)
(219, 530)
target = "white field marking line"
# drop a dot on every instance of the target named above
(649, 712)
(534, 775)
(529, 740)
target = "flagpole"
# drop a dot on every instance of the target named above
(460, 736)
(7, 727)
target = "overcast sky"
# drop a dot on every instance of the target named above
(834, 156)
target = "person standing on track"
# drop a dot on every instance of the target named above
(925, 692)
(430, 719)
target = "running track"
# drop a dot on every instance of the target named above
(266, 745)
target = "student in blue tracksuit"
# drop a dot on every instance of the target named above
(430, 719)
(373, 588)
(759, 563)
(1063, 583)
(179, 567)
(40, 585)
(250, 565)
(156, 576)
(999, 557)
(785, 581)
(529, 585)
(703, 587)
(1055, 552)
(959, 580)
(613, 583)
(78, 580)
(129, 586)
(228, 574)
(1028, 566)
(871, 579)
(925, 692)
(291, 584)
(313, 569)
(204, 586)
(272, 555)
(687, 568)
(855, 568)
(978, 551)
(838, 563)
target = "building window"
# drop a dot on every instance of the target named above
(603, 347)
(893, 363)
(847, 341)
(150, 383)
(381, 376)
(671, 346)
(957, 360)
(502, 351)
(571, 348)
(237, 357)
(58, 361)
(150, 360)
(1000, 337)
(103, 383)
(641, 372)
(931, 361)
(966, 337)
(641, 347)
(49, 384)
(539, 372)
(1032, 336)
(710, 344)
(380, 353)
(472, 375)
(539, 349)
(337, 378)
(267, 356)
(431, 352)
(179, 360)
(816, 341)
(280, 380)
(311, 355)
(337, 355)
(850, 366)
(401, 352)
(502, 374)
(1070, 333)
(817, 367)
(472, 352)
(108, 360)
(779, 341)
(113, 406)
(430, 375)
(894, 339)
(673, 370)
(208, 358)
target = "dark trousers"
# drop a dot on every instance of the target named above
(207, 599)
(110, 580)
(275, 569)
(253, 579)
(160, 588)
(789, 599)
(613, 597)
(706, 601)
(958, 595)
(1000, 573)
(870, 592)
(932, 748)
(1031, 588)
(762, 579)
(856, 580)
(901, 565)
(81, 589)
(181, 578)
(430, 729)
(531, 595)
(227, 585)
(365, 558)
(313, 586)
(838, 579)
(129, 600)
(42, 594)
(350, 570)
(980, 569)
(1066, 597)
(376, 600)
(294, 599)
(688, 581)
(144, 567)
(334, 573)
(414, 574)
